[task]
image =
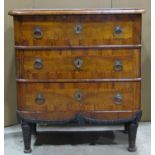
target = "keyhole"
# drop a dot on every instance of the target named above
(79, 96)
(78, 62)
(78, 29)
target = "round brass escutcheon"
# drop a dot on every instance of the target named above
(118, 99)
(118, 66)
(78, 63)
(118, 30)
(78, 29)
(37, 33)
(78, 96)
(40, 99)
(38, 63)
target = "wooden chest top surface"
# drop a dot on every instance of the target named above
(74, 11)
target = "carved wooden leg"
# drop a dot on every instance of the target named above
(132, 136)
(33, 128)
(26, 128)
(126, 128)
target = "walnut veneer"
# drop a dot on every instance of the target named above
(80, 65)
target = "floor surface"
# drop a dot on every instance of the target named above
(67, 141)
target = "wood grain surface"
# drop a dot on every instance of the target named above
(99, 40)
(74, 11)
(60, 64)
(62, 116)
(59, 30)
(95, 96)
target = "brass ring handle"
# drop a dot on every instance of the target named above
(40, 99)
(78, 96)
(38, 63)
(78, 63)
(118, 66)
(37, 33)
(118, 30)
(118, 99)
(78, 29)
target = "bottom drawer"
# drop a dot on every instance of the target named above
(78, 97)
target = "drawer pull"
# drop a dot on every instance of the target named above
(118, 65)
(38, 64)
(78, 29)
(118, 30)
(78, 63)
(78, 96)
(39, 99)
(37, 33)
(118, 98)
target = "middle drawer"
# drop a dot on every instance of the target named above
(78, 63)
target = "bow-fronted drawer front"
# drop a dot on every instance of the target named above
(50, 97)
(78, 64)
(78, 30)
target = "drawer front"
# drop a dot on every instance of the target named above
(76, 97)
(78, 64)
(70, 30)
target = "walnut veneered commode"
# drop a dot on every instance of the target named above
(81, 65)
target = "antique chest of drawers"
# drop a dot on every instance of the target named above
(80, 66)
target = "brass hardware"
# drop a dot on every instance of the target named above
(118, 65)
(38, 64)
(118, 30)
(118, 98)
(78, 63)
(78, 96)
(37, 33)
(78, 29)
(40, 99)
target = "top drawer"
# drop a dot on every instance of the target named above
(77, 30)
